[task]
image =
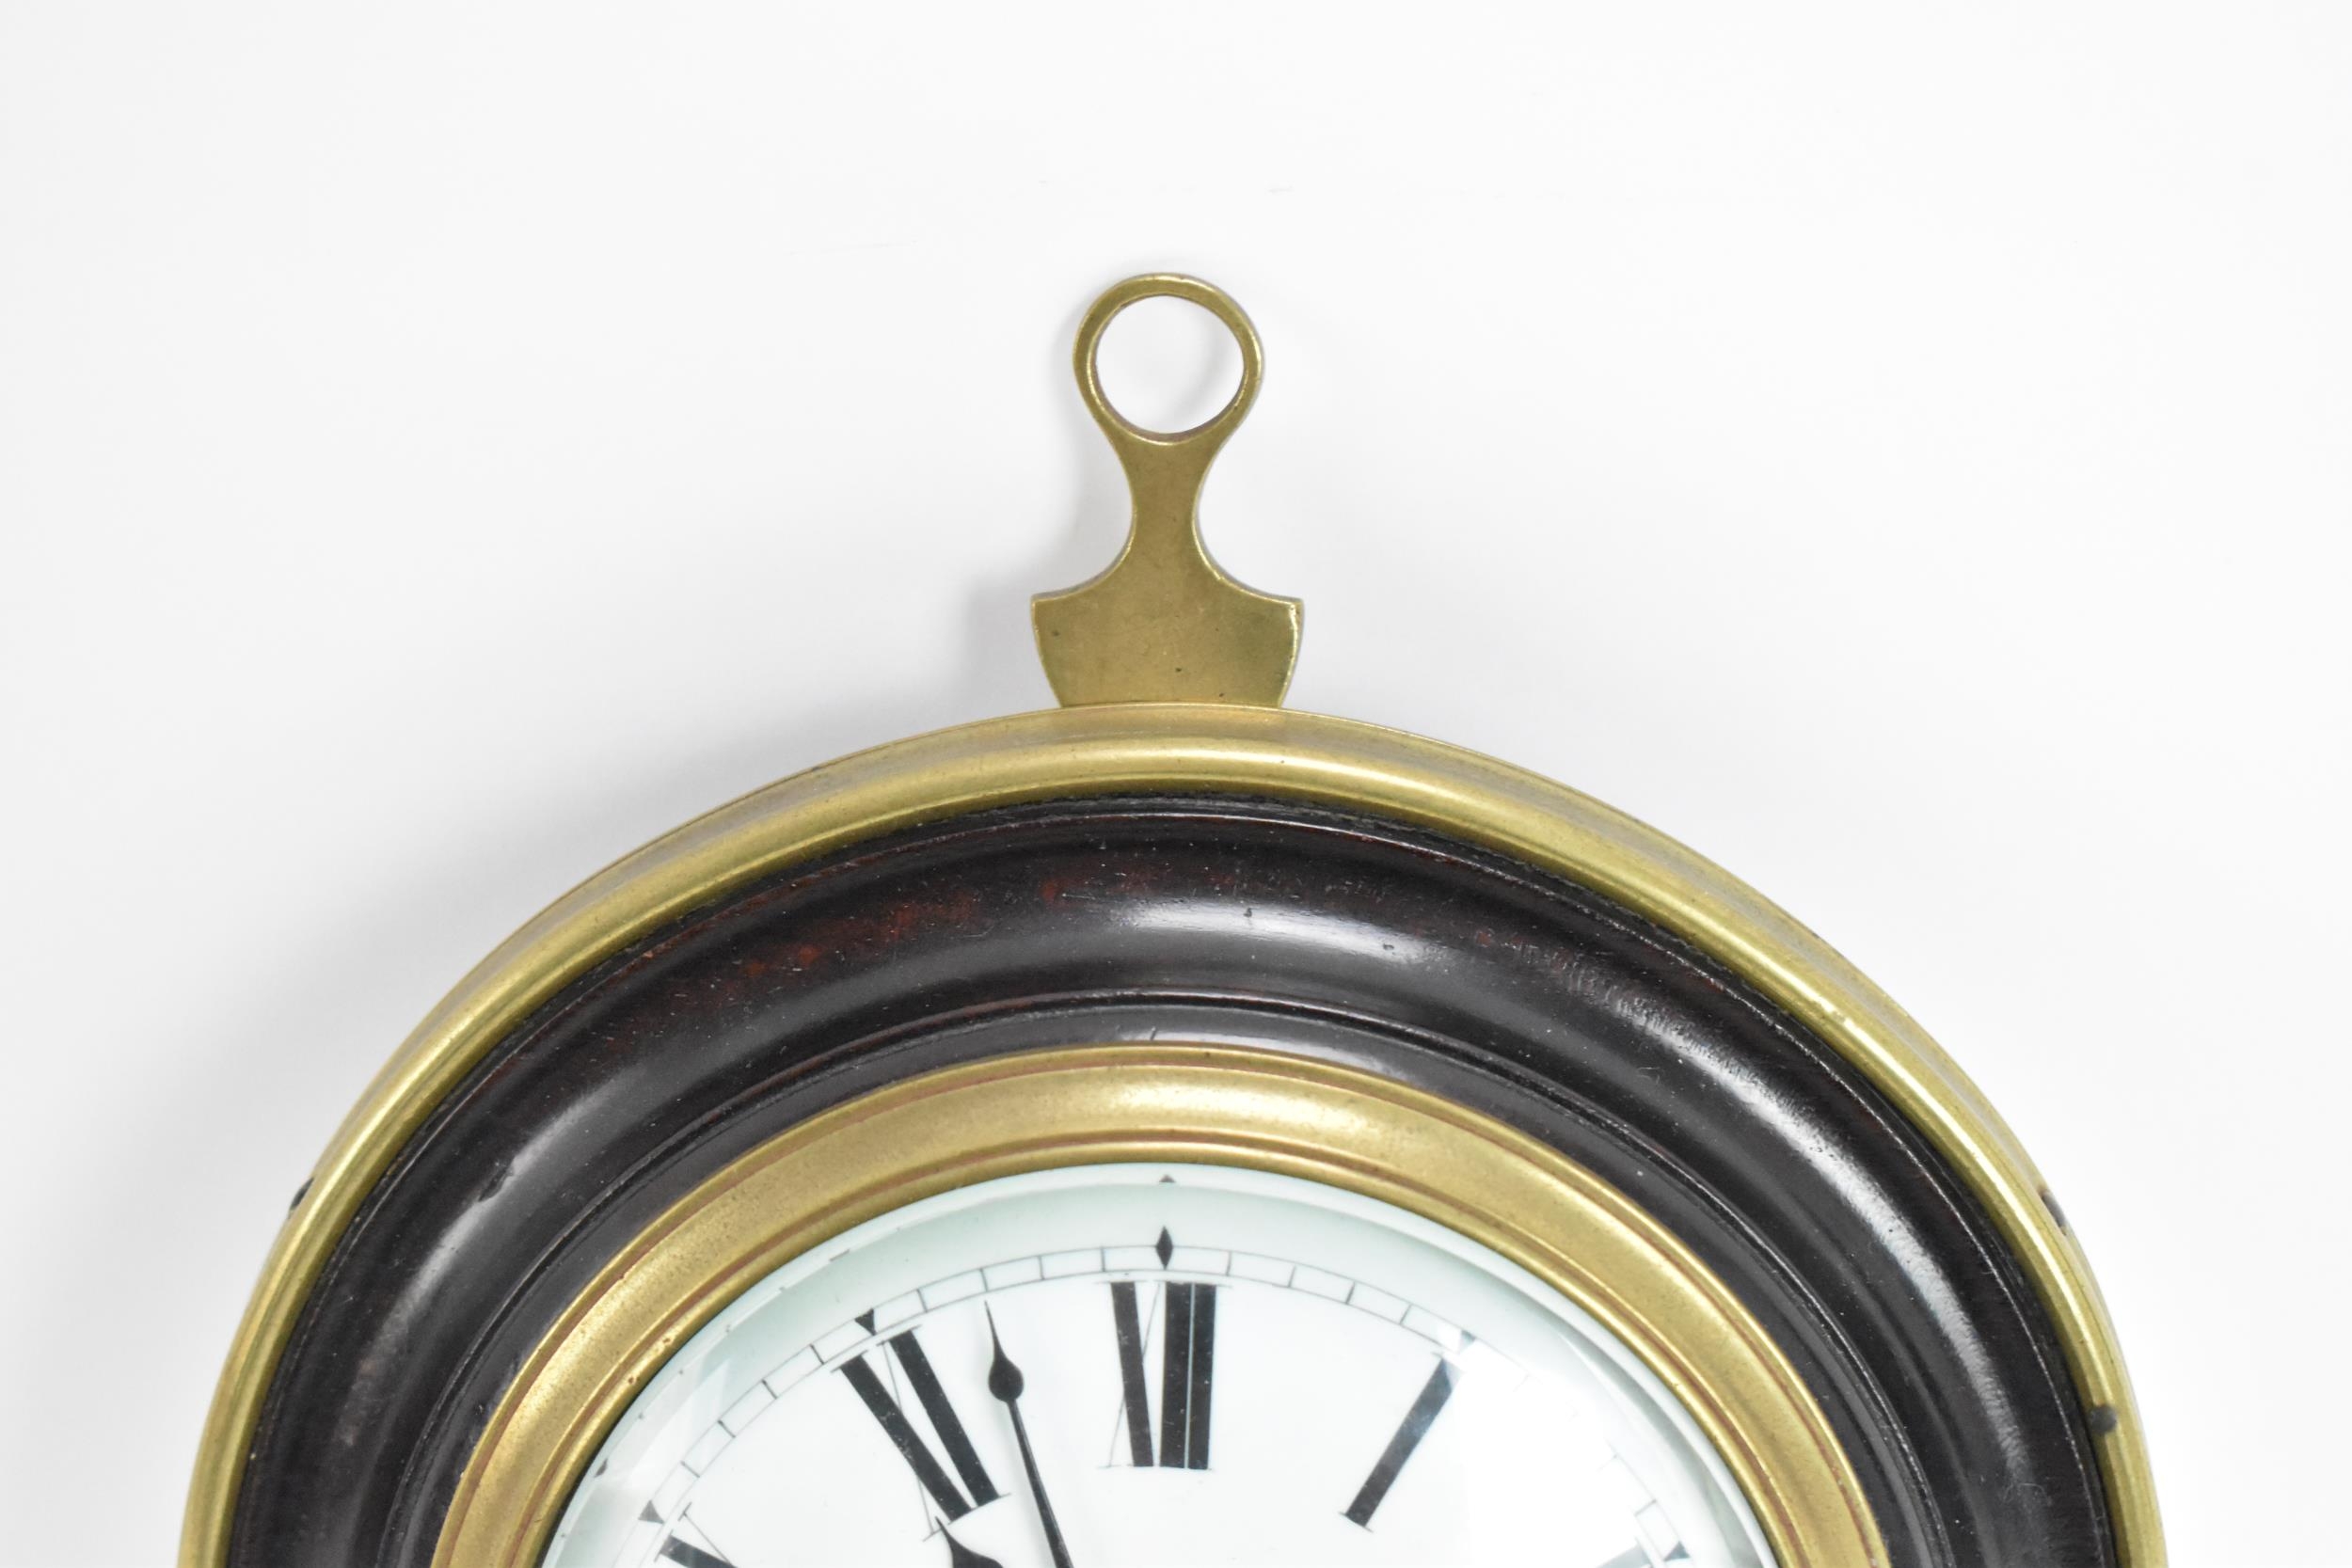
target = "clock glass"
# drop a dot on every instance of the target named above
(1143, 1364)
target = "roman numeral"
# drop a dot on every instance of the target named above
(1188, 1374)
(1128, 1324)
(674, 1550)
(1408, 1435)
(1186, 1356)
(909, 1442)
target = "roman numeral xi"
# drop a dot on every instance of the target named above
(909, 1442)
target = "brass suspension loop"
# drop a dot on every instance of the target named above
(1164, 622)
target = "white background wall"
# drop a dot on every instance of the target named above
(1902, 452)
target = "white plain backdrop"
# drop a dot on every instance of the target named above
(1903, 453)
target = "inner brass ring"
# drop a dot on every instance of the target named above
(1210, 1104)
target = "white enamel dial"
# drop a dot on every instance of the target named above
(1204, 1364)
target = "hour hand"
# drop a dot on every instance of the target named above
(1006, 1381)
(962, 1556)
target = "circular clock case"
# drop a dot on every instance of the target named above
(1611, 1093)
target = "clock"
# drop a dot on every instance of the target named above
(1170, 1129)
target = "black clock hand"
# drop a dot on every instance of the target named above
(962, 1556)
(1006, 1382)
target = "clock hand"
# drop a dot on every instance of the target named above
(1006, 1382)
(962, 1556)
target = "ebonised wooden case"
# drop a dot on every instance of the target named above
(1296, 929)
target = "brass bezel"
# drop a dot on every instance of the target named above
(1211, 1104)
(1188, 748)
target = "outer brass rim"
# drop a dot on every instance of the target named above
(1188, 748)
(1208, 1104)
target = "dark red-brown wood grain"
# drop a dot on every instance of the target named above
(1111, 920)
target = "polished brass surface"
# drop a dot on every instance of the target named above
(1211, 749)
(1164, 622)
(1211, 1104)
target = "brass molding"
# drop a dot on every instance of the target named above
(1208, 1104)
(1164, 622)
(1197, 748)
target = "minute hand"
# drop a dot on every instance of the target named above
(1006, 1382)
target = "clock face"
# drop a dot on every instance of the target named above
(1126, 1365)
